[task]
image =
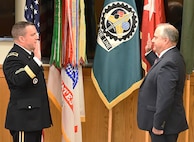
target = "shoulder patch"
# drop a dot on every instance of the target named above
(12, 54)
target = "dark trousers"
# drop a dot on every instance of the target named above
(21, 136)
(163, 138)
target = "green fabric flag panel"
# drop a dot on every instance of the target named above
(56, 39)
(117, 70)
(187, 37)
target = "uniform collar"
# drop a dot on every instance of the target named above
(29, 52)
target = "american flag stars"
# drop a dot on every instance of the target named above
(31, 13)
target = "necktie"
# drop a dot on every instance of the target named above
(156, 60)
(32, 54)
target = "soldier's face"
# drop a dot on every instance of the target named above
(31, 38)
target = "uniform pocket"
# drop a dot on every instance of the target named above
(28, 104)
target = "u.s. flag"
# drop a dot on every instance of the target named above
(31, 13)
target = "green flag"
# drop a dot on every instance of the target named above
(116, 69)
(56, 39)
(187, 37)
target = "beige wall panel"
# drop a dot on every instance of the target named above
(95, 129)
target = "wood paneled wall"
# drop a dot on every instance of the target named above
(95, 128)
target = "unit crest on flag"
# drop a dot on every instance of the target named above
(72, 72)
(118, 24)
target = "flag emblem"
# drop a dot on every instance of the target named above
(118, 24)
(117, 64)
(72, 72)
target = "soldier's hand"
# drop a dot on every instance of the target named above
(37, 50)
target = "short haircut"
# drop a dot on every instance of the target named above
(18, 28)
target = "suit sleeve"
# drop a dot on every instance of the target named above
(151, 57)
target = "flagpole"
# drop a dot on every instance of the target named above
(110, 125)
(187, 100)
(147, 136)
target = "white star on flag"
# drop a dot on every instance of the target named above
(32, 13)
(150, 7)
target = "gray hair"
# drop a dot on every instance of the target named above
(169, 31)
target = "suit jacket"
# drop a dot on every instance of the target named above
(28, 107)
(160, 100)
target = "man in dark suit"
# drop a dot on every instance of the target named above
(160, 100)
(28, 110)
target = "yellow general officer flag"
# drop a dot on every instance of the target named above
(117, 70)
(82, 33)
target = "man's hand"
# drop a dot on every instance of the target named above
(37, 51)
(148, 47)
(157, 132)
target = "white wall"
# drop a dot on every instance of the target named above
(19, 10)
(5, 46)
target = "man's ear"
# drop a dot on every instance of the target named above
(167, 40)
(21, 39)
